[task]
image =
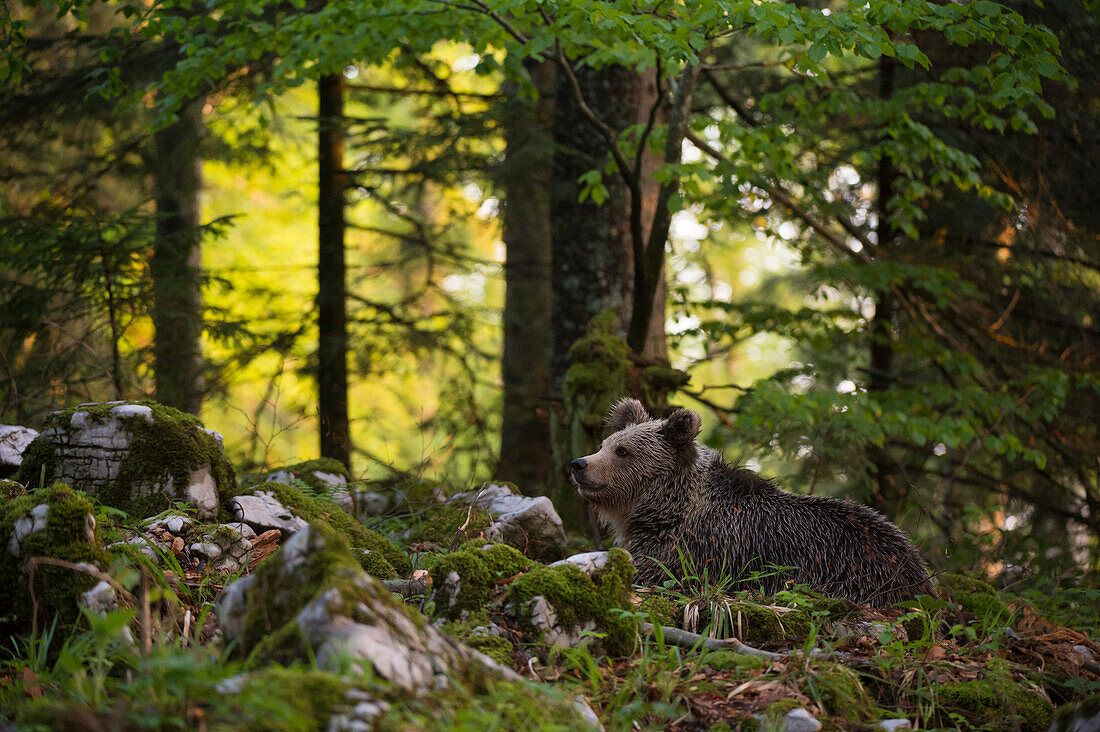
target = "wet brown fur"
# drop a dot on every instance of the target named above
(668, 492)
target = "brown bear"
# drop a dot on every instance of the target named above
(663, 494)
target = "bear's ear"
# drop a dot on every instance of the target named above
(682, 427)
(625, 413)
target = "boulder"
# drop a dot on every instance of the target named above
(53, 523)
(13, 441)
(528, 523)
(136, 456)
(311, 600)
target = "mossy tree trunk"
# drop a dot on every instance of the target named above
(527, 177)
(596, 247)
(594, 244)
(332, 339)
(176, 264)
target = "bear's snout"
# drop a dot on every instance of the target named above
(578, 466)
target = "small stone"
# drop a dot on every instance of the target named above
(587, 562)
(1085, 653)
(799, 720)
(895, 724)
(263, 511)
(177, 545)
(100, 599)
(206, 549)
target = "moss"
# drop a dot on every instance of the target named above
(302, 698)
(974, 596)
(10, 489)
(840, 692)
(500, 705)
(578, 598)
(758, 624)
(172, 446)
(358, 536)
(732, 661)
(65, 537)
(478, 568)
(473, 632)
(997, 700)
(440, 524)
(662, 609)
(269, 631)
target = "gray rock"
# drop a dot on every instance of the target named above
(224, 549)
(100, 599)
(263, 511)
(90, 450)
(527, 523)
(32, 523)
(799, 720)
(175, 523)
(13, 441)
(587, 562)
(893, 725)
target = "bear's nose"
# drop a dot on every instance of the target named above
(578, 465)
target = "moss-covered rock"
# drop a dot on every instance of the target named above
(377, 554)
(51, 522)
(464, 581)
(577, 602)
(135, 456)
(974, 596)
(10, 489)
(311, 602)
(479, 633)
(996, 701)
(662, 609)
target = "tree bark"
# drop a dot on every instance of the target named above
(888, 493)
(593, 244)
(332, 338)
(176, 264)
(527, 176)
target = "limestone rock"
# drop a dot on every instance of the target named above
(263, 511)
(315, 599)
(51, 523)
(13, 441)
(225, 548)
(139, 457)
(530, 524)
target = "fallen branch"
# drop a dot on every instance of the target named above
(689, 640)
(407, 587)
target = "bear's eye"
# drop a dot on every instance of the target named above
(621, 451)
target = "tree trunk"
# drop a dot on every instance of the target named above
(332, 338)
(527, 176)
(888, 493)
(593, 246)
(176, 264)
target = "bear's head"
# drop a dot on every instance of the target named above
(641, 452)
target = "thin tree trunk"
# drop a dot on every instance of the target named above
(887, 491)
(527, 177)
(176, 264)
(332, 340)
